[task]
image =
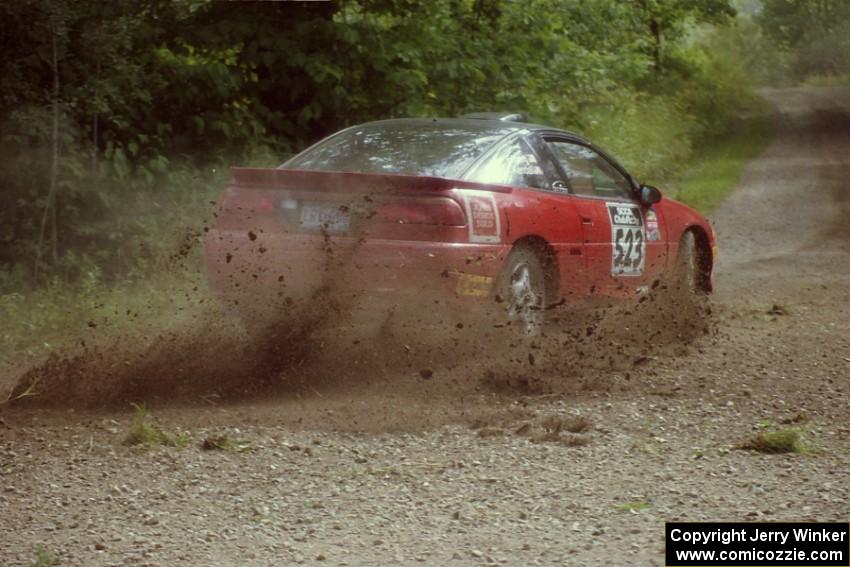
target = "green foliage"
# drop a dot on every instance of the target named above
(666, 20)
(716, 168)
(791, 21)
(45, 558)
(633, 507)
(651, 135)
(787, 440)
(814, 34)
(226, 443)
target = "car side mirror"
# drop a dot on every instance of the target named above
(649, 195)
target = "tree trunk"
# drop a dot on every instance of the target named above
(50, 205)
(94, 145)
(657, 36)
(95, 124)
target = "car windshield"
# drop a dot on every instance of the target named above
(438, 148)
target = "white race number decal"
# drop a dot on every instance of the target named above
(628, 239)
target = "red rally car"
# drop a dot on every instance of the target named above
(483, 208)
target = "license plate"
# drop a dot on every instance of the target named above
(327, 217)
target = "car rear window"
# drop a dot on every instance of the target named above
(409, 147)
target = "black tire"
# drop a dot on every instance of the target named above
(522, 291)
(687, 272)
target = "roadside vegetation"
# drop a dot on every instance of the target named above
(224, 442)
(45, 558)
(716, 166)
(785, 440)
(633, 507)
(144, 434)
(118, 120)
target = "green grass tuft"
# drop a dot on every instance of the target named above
(633, 506)
(787, 440)
(226, 443)
(144, 434)
(45, 558)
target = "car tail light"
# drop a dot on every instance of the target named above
(246, 200)
(440, 211)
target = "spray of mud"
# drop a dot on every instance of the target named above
(313, 360)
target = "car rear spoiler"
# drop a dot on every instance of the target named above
(267, 178)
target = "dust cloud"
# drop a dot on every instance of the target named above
(354, 363)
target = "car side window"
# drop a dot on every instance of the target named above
(588, 173)
(512, 164)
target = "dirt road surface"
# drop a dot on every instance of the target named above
(427, 471)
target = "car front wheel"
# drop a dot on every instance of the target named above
(687, 272)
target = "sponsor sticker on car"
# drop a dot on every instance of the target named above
(483, 216)
(653, 232)
(628, 239)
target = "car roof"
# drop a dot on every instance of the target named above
(498, 128)
(482, 124)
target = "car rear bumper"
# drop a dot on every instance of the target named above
(295, 267)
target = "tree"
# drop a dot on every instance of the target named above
(815, 32)
(665, 20)
(791, 22)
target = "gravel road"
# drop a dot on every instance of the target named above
(427, 470)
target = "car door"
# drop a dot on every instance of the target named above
(625, 241)
(539, 206)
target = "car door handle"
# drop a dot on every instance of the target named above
(586, 220)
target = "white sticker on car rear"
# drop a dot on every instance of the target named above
(628, 248)
(483, 215)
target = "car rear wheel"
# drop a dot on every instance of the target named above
(523, 291)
